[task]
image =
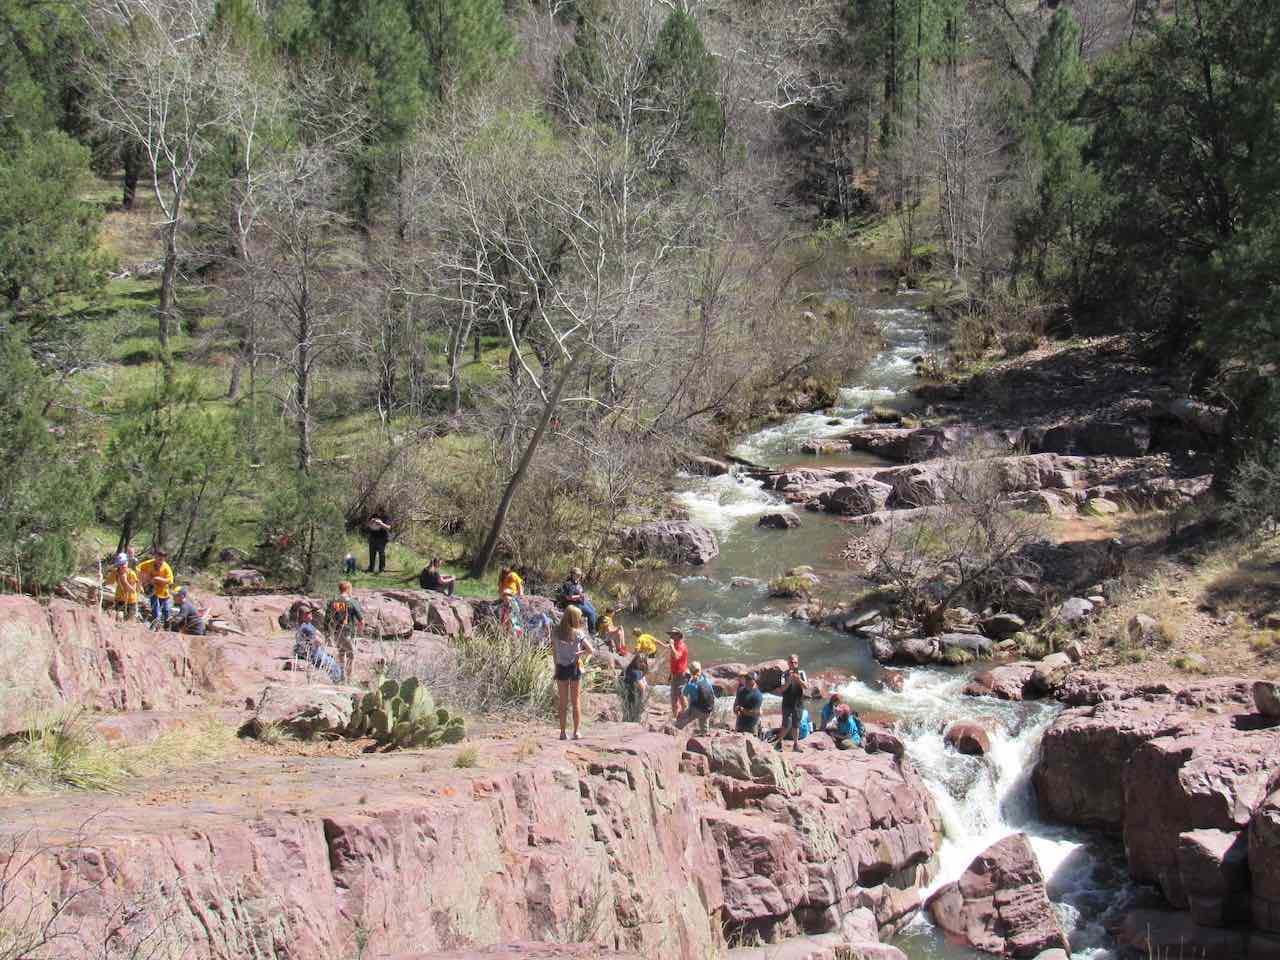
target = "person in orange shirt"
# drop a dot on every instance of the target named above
(156, 577)
(127, 585)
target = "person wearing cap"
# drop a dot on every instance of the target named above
(187, 619)
(572, 593)
(309, 646)
(747, 705)
(127, 587)
(156, 577)
(701, 697)
(678, 663)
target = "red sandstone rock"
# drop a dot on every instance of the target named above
(1008, 682)
(1166, 933)
(1264, 863)
(1210, 775)
(970, 739)
(1214, 869)
(999, 904)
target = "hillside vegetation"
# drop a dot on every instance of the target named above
(499, 267)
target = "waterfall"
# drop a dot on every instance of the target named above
(983, 799)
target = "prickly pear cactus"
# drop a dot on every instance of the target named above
(403, 715)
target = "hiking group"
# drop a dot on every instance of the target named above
(152, 581)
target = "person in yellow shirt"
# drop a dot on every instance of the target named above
(156, 577)
(508, 579)
(126, 584)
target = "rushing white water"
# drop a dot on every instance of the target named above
(980, 799)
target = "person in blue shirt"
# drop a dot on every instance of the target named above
(747, 704)
(829, 709)
(845, 728)
(702, 700)
(308, 646)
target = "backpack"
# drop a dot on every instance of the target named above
(339, 614)
(706, 695)
(806, 724)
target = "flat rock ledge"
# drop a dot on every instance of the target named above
(642, 843)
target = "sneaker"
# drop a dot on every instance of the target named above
(577, 735)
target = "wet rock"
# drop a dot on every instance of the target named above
(1168, 933)
(1075, 610)
(891, 443)
(857, 499)
(680, 541)
(879, 740)
(972, 643)
(1008, 682)
(742, 583)
(968, 738)
(824, 446)
(1001, 626)
(1266, 696)
(304, 711)
(707, 467)
(893, 680)
(1214, 869)
(917, 650)
(779, 521)
(999, 904)
(1050, 673)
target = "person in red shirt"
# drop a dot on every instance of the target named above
(679, 663)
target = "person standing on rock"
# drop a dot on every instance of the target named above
(342, 618)
(702, 700)
(568, 643)
(156, 577)
(678, 662)
(572, 592)
(126, 584)
(747, 705)
(792, 691)
(378, 530)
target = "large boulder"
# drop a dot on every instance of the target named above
(1050, 673)
(1008, 682)
(385, 616)
(1001, 626)
(999, 904)
(971, 739)
(680, 541)
(779, 521)
(1175, 934)
(1264, 863)
(1266, 697)
(303, 710)
(1214, 868)
(856, 499)
(1206, 775)
(918, 486)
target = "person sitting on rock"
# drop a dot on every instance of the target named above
(127, 587)
(187, 618)
(612, 632)
(792, 691)
(845, 728)
(572, 593)
(309, 647)
(830, 707)
(702, 700)
(342, 618)
(748, 703)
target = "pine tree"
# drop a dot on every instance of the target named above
(682, 78)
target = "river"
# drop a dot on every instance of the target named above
(728, 616)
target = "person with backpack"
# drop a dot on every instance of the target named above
(568, 643)
(845, 728)
(702, 700)
(342, 618)
(792, 691)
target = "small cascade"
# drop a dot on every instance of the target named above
(983, 799)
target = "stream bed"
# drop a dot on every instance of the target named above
(727, 615)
